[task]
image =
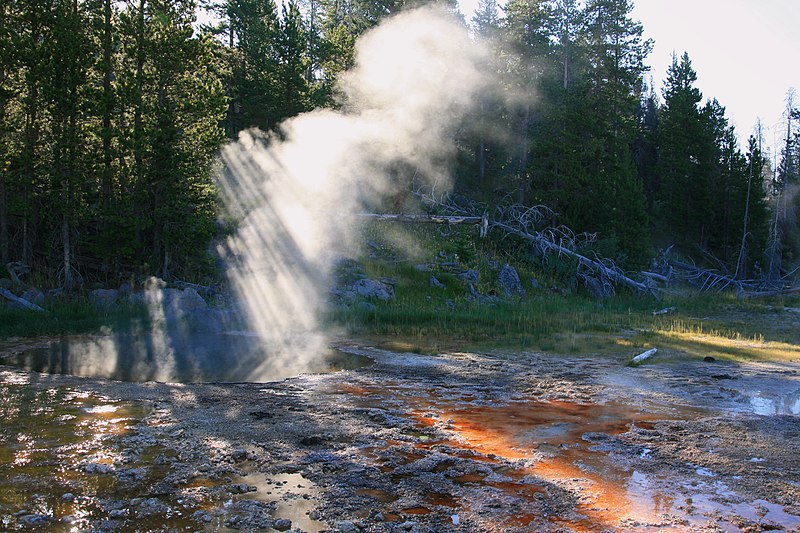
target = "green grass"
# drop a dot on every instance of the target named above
(419, 320)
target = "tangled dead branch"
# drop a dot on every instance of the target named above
(599, 275)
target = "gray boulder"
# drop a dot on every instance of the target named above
(509, 282)
(369, 288)
(103, 298)
(435, 283)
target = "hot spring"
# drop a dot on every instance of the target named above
(225, 357)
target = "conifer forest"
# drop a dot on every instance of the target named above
(113, 114)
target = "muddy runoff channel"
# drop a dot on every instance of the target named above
(454, 442)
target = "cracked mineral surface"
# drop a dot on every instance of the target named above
(452, 442)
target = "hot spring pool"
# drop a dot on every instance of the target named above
(227, 357)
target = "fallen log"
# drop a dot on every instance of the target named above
(422, 219)
(20, 301)
(653, 275)
(610, 273)
(767, 294)
(644, 355)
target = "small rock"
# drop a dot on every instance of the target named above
(346, 526)
(368, 288)
(312, 440)
(151, 507)
(709, 359)
(96, 468)
(202, 516)
(534, 283)
(423, 267)
(35, 520)
(118, 513)
(509, 281)
(68, 497)
(408, 526)
(239, 455)
(282, 524)
(435, 283)
(241, 488)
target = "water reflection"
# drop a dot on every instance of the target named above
(768, 405)
(141, 357)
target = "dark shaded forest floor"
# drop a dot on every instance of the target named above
(450, 442)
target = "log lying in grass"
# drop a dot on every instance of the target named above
(423, 219)
(20, 301)
(610, 273)
(768, 294)
(644, 355)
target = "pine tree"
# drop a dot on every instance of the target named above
(63, 89)
(293, 63)
(486, 20)
(616, 51)
(683, 147)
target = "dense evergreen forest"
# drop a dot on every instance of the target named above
(113, 114)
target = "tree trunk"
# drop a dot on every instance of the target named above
(741, 264)
(69, 281)
(138, 133)
(4, 247)
(29, 173)
(107, 107)
(481, 162)
(19, 301)
(523, 154)
(423, 219)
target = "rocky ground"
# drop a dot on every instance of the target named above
(455, 442)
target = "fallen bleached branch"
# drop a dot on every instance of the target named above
(644, 355)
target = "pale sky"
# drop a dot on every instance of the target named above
(745, 52)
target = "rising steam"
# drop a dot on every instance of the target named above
(415, 78)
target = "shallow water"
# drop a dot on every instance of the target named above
(560, 444)
(153, 357)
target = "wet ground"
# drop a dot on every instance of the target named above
(455, 442)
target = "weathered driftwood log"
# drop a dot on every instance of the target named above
(610, 273)
(20, 301)
(432, 219)
(644, 355)
(657, 277)
(708, 280)
(422, 219)
(767, 294)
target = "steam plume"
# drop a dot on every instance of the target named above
(414, 79)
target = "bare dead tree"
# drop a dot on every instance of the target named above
(529, 223)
